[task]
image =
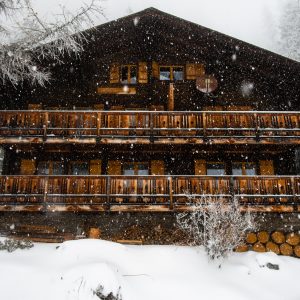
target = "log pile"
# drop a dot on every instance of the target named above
(278, 242)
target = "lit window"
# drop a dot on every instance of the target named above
(171, 73)
(215, 168)
(243, 168)
(128, 74)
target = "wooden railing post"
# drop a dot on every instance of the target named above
(45, 200)
(204, 126)
(45, 125)
(294, 198)
(171, 192)
(108, 185)
(98, 124)
(151, 128)
(256, 124)
(231, 186)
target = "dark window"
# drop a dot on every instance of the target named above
(80, 168)
(243, 168)
(213, 168)
(128, 74)
(135, 168)
(50, 168)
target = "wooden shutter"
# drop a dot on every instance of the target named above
(95, 167)
(27, 167)
(114, 73)
(143, 74)
(266, 167)
(194, 70)
(155, 70)
(199, 70)
(114, 167)
(157, 167)
(200, 167)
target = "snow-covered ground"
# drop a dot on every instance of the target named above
(74, 270)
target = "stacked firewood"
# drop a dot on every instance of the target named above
(277, 242)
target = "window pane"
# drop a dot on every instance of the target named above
(132, 74)
(250, 169)
(124, 74)
(80, 168)
(164, 73)
(43, 168)
(237, 168)
(178, 73)
(143, 169)
(58, 168)
(215, 169)
(128, 169)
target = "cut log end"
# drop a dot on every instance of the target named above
(297, 251)
(251, 238)
(278, 237)
(242, 248)
(272, 247)
(94, 233)
(259, 247)
(286, 249)
(263, 237)
(292, 239)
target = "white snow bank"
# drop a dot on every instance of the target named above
(75, 269)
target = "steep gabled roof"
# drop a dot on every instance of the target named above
(162, 28)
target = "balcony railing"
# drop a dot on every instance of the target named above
(149, 126)
(93, 193)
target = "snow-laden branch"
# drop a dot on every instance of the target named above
(28, 38)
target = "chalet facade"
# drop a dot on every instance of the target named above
(155, 110)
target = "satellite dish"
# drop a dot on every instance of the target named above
(206, 83)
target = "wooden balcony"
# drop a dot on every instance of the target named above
(145, 127)
(146, 193)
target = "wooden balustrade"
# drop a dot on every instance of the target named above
(152, 191)
(149, 126)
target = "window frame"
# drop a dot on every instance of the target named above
(77, 162)
(129, 66)
(171, 72)
(219, 163)
(243, 163)
(50, 164)
(135, 166)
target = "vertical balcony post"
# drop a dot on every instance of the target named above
(256, 124)
(45, 200)
(45, 125)
(108, 185)
(294, 197)
(204, 125)
(171, 192)
(98, 124)
(151, 128)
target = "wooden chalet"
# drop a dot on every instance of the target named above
(155, 113)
